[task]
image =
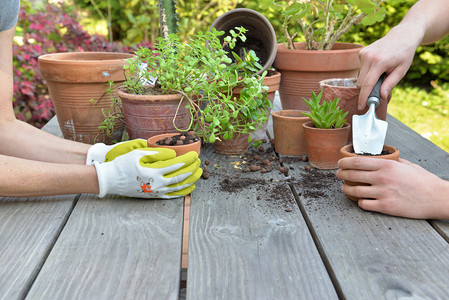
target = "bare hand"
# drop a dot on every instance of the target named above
(396, 188)
(393, 55)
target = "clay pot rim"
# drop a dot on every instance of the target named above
(311, 125)
(166, 97)
(348, 151)
(77, 57)
(347, 47)
(278, 114)
(196, 146)
(268, 28)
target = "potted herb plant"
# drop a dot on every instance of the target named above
(326, 134)
(216, 97)
(320, 56)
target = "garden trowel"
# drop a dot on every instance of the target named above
(368, 132)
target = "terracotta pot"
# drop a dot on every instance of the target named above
(288, 132)
(260, 36)
(149, 115)
(347, 91)
(302, 70)
(180, 149)
(323, 145)
(348, 151)
(78, 83)
(237, 145)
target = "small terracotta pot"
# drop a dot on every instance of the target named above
(348, 151)
(323, 145)
(149, 115)
(348, 92)
(180, 149)
(302, 70)
(237, 145)
(288, 132)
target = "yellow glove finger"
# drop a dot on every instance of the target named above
(125, 147)
(172, 164)
(159, 155)
(196, 174)
(182, 192)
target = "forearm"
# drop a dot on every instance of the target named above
(26, 178)
(428, 20)
(25, 141)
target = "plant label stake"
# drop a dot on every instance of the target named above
(368, 132)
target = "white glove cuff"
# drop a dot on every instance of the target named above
(96, 152)
(107, 178)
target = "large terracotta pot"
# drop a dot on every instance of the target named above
(78, 83)
(237, 145)
(348, 151)
(302, 70)
(149, 115)
(288, 132)
(260, 36)
(348, 92)
(323, 145)
(179, 149)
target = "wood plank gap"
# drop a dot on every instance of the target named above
(439, 230)
(318, 245)
(53, 242)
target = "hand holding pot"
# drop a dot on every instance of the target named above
(103, 153)
(398, 188)
(149, 173)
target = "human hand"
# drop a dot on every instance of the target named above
(398, 188)
(104, 153)
(149, 173)
(393, 55)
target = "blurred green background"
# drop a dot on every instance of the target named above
(420, 101)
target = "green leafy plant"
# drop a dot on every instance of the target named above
(323, 22)
(325, 115)
(202, 71)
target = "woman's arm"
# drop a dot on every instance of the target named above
(426, 22)
(20, 139)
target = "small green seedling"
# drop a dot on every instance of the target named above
(327, 114)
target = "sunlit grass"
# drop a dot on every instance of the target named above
(425, 112)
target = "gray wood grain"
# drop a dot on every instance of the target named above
(252, 243)
(29, 228)
(115, 248)
(375, 256)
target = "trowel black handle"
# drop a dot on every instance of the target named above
(374, 96)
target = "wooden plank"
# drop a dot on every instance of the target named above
(373, 256)
(252, 243)
(116, 248)
(29, 228)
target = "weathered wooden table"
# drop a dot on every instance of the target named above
(251, 236)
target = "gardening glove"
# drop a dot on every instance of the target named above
(104, 153)
(149, 173)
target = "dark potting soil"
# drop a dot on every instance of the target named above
(180, 139)
(384, 152)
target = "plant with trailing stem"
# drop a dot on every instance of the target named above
(327, 114)
(202, 72)
(324, 22)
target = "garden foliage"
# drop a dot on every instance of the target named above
(51, 28)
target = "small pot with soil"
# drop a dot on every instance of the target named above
(388, 152)
(180, 142)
